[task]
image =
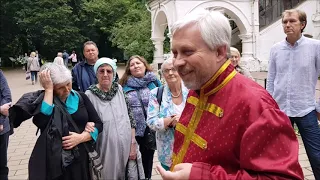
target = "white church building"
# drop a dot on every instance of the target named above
(256, 24)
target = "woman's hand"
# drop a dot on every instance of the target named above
(89, 127)
(69, 142)
(175, 120)
(45, 79)
(133, 151)
(4, 109)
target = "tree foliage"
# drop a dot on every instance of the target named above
(133, 32)
(117, 26)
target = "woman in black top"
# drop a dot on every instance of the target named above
(59, 97)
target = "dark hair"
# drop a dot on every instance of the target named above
(127, 72)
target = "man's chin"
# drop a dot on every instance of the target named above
(191, 85)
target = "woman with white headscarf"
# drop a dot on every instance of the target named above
(117, 144)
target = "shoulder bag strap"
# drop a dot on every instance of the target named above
(159, 94)
(72, 122)
(142, 106)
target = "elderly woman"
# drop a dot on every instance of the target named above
(59, 152)
(235, 59)
(162, 116)
(117, 143)
(33, 66)
(137, 81)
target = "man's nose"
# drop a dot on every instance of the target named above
(178, 61)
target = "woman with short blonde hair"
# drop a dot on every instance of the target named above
(33, 66)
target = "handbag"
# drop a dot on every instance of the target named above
(149, 137)
(95, 162)
(28, 75)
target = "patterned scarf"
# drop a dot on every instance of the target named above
(141, 82)
(105, 96)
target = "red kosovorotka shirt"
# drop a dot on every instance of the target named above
(233, 129)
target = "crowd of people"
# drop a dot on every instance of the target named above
(34, 62)
(210, 120)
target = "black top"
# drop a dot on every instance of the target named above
(85, 113)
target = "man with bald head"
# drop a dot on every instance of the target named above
(224, 134)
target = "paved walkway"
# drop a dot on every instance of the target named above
(22, 141)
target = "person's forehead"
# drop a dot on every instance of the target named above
(187, 36)
(135, 60)
(90, 47)
(62, 84)
(292, 15)
(167, 66)
(233, 53)
(105, 66)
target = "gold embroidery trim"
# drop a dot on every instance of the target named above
(224, 82)
(196, 116)
(217, 74)
(189, 133)
(193, 100)
(214, 109)
(181, 128)
(199, 141)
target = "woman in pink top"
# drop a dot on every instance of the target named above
(73, 58)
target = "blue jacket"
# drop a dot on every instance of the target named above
(83, 76)
(5, 97)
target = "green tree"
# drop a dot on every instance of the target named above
(133, 32)
(49, 25)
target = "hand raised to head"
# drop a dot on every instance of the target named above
(45, 79)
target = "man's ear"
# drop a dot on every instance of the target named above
(303, 25)
(222, 53)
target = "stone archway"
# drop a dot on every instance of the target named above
(248, 27)
(158, 28)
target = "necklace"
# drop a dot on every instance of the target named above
(176, 95)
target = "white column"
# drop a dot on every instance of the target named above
(158, 52)
(316, 22)
(247, 60)
(170, 36)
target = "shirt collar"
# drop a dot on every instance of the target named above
(297, 43)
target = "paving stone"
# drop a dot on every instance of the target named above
(20, 157)
(20, 177)
(310, 177)
(11, 173)
(306, 172)
(19, 167)
(303, 157)
(156, 177)
(24, 161)
(13, 163)
(22, 172)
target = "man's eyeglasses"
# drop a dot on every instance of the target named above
(166, 71)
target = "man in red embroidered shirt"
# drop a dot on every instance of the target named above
(231, 128)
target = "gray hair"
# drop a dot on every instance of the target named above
(234, 50)
(167, 61)
(214, 27)
(58, 60)
(59, 73)
(89, 43)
